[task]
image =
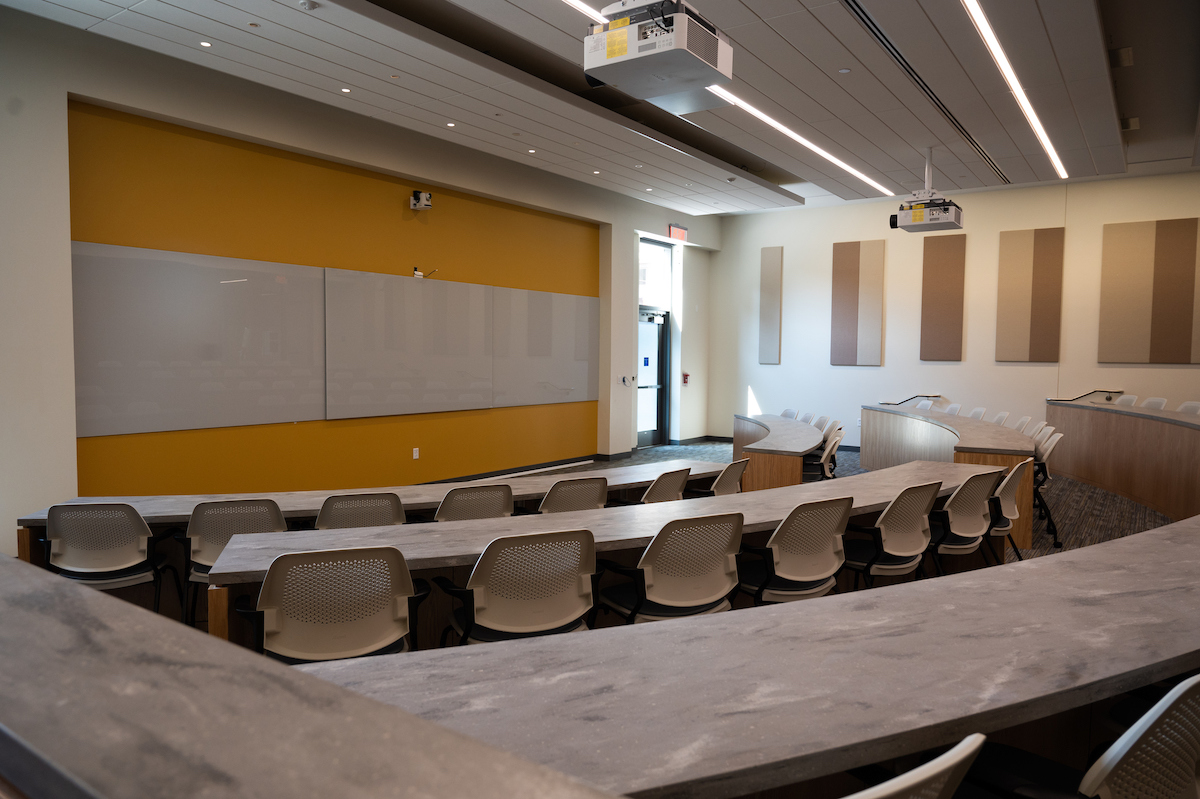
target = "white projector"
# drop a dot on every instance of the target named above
(661, 51)
(925, 211)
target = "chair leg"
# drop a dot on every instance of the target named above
(178, 592)
(195, 589)
(157, 589)
(1044, 512)
(937, 564)
(868, 580)
(1013, 544)
(445, 636)
(987, 540)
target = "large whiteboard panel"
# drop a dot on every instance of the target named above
(176, 341)
(546, 348)
(399, 345)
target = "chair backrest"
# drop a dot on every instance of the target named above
(970, 515)
(96, 537)
(807, 418)
(807, 545)
(1000, 418)
(1127, 399)
(360, 510)
(1034, 429)
(977, 413)
(536, 582)
(788, 413)
(475, 502)
(1155, 403)
(729, 481)
(937, 779)
(925, 405)
(1189, 407)
(1042, 436)
(953, 409)
(830, 429)
(905, 521)
(1158, 756)
(584, 493)
(1042, 453)
(693, 561)
(830, 451)
(667, 487)
(336, 603)
(1007, 490)
(213, 523)
(1021, 424)
(820, 422)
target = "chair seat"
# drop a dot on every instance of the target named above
(623, 597)
(752, 573)
(486, 635)
(955, 544)
(199, 573)
(121, 578)
(859, 553)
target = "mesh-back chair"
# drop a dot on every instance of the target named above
(898, 539)
(821, 468)
(966, 518)
(729, 481)
(585, 493)
(1127, 399)
(953, 409)
(1155, 403)
(788, 413)
(1189, 407)
(211, 526)
(690, 568)
(1022, 423)
(106, 545)
(1033, 429)
(925, 405)
(338, 603)
(1042, 437)
(830, 430)
(937, 779)
(524, 586)
(360, 510)
(1004, 507)
(820, 422)
(475, 502)
(667, 487)
(1000, 418)
(977, 413)
(807, 418)
(803, 556)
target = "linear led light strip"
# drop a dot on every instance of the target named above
(796, 137)
(584, 8)
(993, 44)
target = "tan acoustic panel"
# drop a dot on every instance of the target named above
(1150, 292)
(1029, 295)
(942, 284)
(856, 319)
(770, 305)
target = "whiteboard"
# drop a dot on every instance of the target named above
(546, 348)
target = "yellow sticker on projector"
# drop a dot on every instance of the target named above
(618, 23)
(618, 43)
(918, 215)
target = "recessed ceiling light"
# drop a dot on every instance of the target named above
(347, 91)
(595, 171)
(205, 44)
(796, 137)
(449, 124)
(533, 151)
(649, 189)
(844, 70)
(637, 166)
(395, 76)
(584, 8)
(687, 184)
(993, 44)
(253, 24)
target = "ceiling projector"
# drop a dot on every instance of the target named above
(925, 210)
(663, 52)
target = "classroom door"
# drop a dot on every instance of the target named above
(653, 401)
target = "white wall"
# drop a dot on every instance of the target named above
(807, 381)
(42, 63)
(692, 315)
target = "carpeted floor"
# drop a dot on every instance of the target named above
(1083, 514)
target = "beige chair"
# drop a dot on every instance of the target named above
(106, 545)
(966, 518)
(1154, 403)
(788, 413)
(803, 556)
(1189, 407)
(953, 409)
(807, 418)
(937, 779)
(338, 603)
(1042, 437)
(977, 413)
(729, 481)
(1127, 399)
(898, 539)
(1004, 508)
(830, 429)
(690, 568)
(360, 510)
(585, 493)
(667, 487)
(211, 526)
(475, 502)
(1041, 476)
(925, 405)
(820, 422)
(1022, 423)
(1033, 429)
(822, 468)
(524, 586)
(1000, 418)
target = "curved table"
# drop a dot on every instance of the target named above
(776, 448)
(894, 434)
(1151, 457)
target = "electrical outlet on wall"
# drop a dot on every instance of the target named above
(416, 453)
(860, 421)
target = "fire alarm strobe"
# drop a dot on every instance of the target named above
(421, 201)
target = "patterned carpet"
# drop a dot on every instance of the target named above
(1083, 514)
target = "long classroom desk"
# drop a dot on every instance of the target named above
(733, 703)
(302, 506)
(243, 564)
(893, 434)
(776, 447)
(1151, 457)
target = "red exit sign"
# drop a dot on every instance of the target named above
(676, 232)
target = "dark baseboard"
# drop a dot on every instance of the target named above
(616, 456)
(848, 448)
(546, 465)
(701, 440)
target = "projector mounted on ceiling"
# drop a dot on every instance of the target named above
(926, 210)
(661, 51)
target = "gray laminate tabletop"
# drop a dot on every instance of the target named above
(732, 703)
(425, 546)
(785, 436)
(974, 435)
(1170, 417)
(101, 698)
(176, 509)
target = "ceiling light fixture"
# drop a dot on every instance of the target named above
(649, 189)
(533, 151)
(347, 91)
(796, 137)
(637, 166)
(595, 171)
(993, 44)
(205, 44)
(449, 124)
(844, 70)
(584, 8)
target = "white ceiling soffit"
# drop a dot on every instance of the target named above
(787, 60)
(495, 108)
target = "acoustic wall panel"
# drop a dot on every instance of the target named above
(397, 345)
(176, 341)
(545, 347)
(942, 284)
(770, 305)
(1150, 292)
(856, 329)
(1029, 295)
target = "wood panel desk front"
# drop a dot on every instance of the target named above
(776, 448)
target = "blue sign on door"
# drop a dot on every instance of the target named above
(646, 361)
